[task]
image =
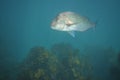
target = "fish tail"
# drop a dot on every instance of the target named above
(95, 24)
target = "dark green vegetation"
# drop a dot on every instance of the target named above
(61, 63)
(115, 69)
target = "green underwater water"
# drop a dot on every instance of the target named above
(31, 50)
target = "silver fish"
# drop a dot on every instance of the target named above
(71, 22)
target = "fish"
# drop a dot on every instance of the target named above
(71, 22)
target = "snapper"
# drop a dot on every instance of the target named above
(71, 22)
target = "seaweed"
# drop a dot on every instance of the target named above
(61, 62)
(115, 69)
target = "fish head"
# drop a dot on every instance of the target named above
(59, 23)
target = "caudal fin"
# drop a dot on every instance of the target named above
(95, 25)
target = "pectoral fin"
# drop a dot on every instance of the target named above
(72, 33)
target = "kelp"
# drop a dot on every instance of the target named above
(61, 62)
(115, 69)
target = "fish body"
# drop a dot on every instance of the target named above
(71, 22)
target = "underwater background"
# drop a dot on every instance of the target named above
(31, 50)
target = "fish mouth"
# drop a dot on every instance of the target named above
(52, 27)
